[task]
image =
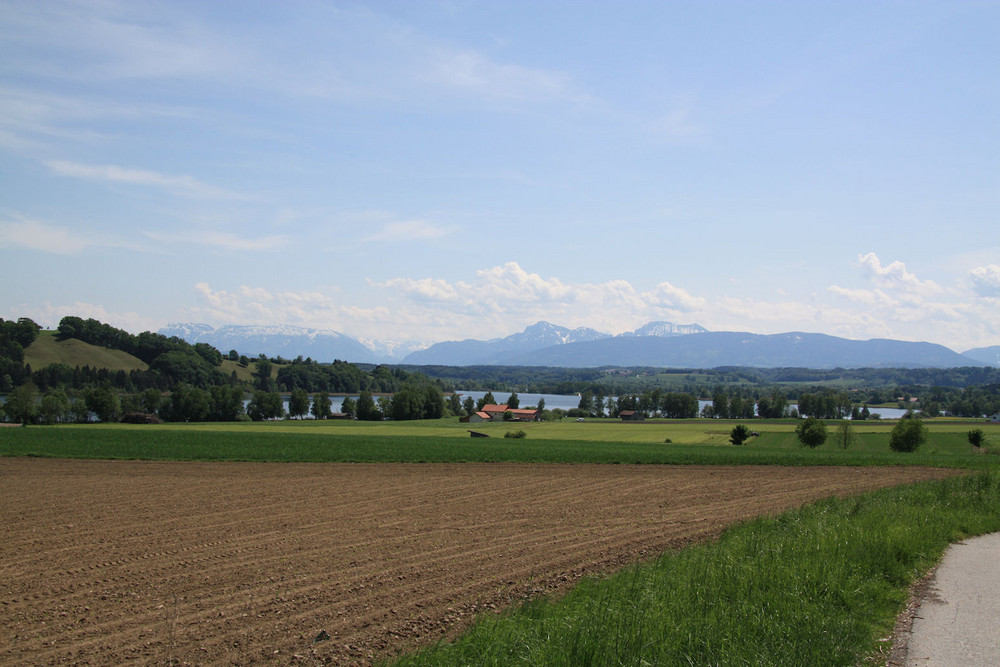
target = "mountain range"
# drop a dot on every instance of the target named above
(290, 342)
(662, 344)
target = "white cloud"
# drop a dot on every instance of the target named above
(986, 280)
(901, 305)
(224, 240)
(471, 71)
(503, 299)
(117, 40)
(184, 185)
(670, 296)
(895, 276)
(259, 305)
(409, 230)
(41, 236)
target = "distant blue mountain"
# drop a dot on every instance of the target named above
(690, 346)
(661, 344)
(540, 335)
(713, 349)
(276, 340)
(985, 355)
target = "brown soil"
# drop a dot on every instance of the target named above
(106, 562)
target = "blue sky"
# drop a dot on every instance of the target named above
(444, 170)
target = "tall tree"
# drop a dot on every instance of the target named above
(265, 405)
(103, 402)
(487, 399)
(21, 405)
(298, 403)
(366, 407)
(262, 375)
(321, 405)
(349, 407)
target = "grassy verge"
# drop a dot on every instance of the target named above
(820, 585)
(282, 443)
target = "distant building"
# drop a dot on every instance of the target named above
(631, 416)
(494, 413)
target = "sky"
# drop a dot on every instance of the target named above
(442, 170)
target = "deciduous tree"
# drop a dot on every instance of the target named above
(298, 403)
(811, 432)
(907, 435)
(321, 405)
(846, 437)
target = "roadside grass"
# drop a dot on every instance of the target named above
(416, 442)
(819, 585)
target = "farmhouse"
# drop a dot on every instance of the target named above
(494, 413)
(631, 416)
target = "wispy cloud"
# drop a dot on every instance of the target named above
(223, 240)
(26, 233)
(473, 72)
(184, 185)
(410, 230)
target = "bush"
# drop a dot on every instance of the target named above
(811, 432)
(976, 437)
(515, 434)
(140, 418)
(907, 435)
(739, 434)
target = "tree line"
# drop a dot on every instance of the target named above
(203, 391)
(184, 382)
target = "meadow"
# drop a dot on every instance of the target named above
(447, 440)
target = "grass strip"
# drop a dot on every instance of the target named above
(199, 444)
(819, 585)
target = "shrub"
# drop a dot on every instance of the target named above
(739, 434)
(140, 418)
(907, 435)
(976, 437)
(811, 432)
(515, 434)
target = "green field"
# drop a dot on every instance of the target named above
(448, 440)
(47, 350)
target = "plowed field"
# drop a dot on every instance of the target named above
(188, 563)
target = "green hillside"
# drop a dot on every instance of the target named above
(48, 350)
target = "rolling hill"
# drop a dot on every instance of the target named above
(47, 350)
